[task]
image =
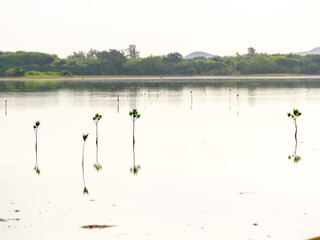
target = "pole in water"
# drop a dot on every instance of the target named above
(191, 99)
(238, 104)
(118, 103)
(5, 106)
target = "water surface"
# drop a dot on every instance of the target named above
(214, 165)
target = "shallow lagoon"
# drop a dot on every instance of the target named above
(213, 165)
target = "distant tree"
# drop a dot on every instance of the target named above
(231, 62)
(311, 69)
(111, 61)
(173, 58)
(15, 72)
(251, 51)
(93, 53)
(79, 54)
(132, 52)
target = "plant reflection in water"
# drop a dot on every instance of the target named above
(85, 190)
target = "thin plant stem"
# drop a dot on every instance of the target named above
(97, 142)
(134, 142)
(295, 124)
(36, 148)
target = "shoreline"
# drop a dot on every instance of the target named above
(162, 78)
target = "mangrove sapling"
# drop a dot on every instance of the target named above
(36, 127)
(294, 115)
(96, 120)
(134, 116)
(85, 190)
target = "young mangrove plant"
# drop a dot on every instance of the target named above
(85, 190)
(294, 115)
(35, 128)
(134, 116)
(96, 120)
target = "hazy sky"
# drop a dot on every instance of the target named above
(156, 27)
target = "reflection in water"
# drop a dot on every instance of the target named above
(85, 190)
(118, 103)
(134, 116)
(134, 170)
(96, 120)
(191, 99)
(5, 106)
(230, 98)
(296, 158)
(36, 127)
(294, 115)
(238, 104)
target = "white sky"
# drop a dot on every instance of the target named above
(156, 27)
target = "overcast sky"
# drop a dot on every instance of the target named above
(157, 27)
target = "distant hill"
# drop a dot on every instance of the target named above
(199, 54)
(312, 51)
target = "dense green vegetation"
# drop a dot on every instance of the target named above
(127, 62)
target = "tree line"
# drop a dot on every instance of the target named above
(128, 62)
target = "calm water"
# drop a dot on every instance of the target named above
(213, 165)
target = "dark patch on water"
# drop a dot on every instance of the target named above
(97, 226)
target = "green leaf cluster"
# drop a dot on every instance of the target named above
(85, 136)
(295, 114)
(134, 114)
(97, 116)
(36, 125)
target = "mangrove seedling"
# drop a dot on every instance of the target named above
(35, 128)
(134, 116)
(96, 120)
(294, 115)
(85, 190)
